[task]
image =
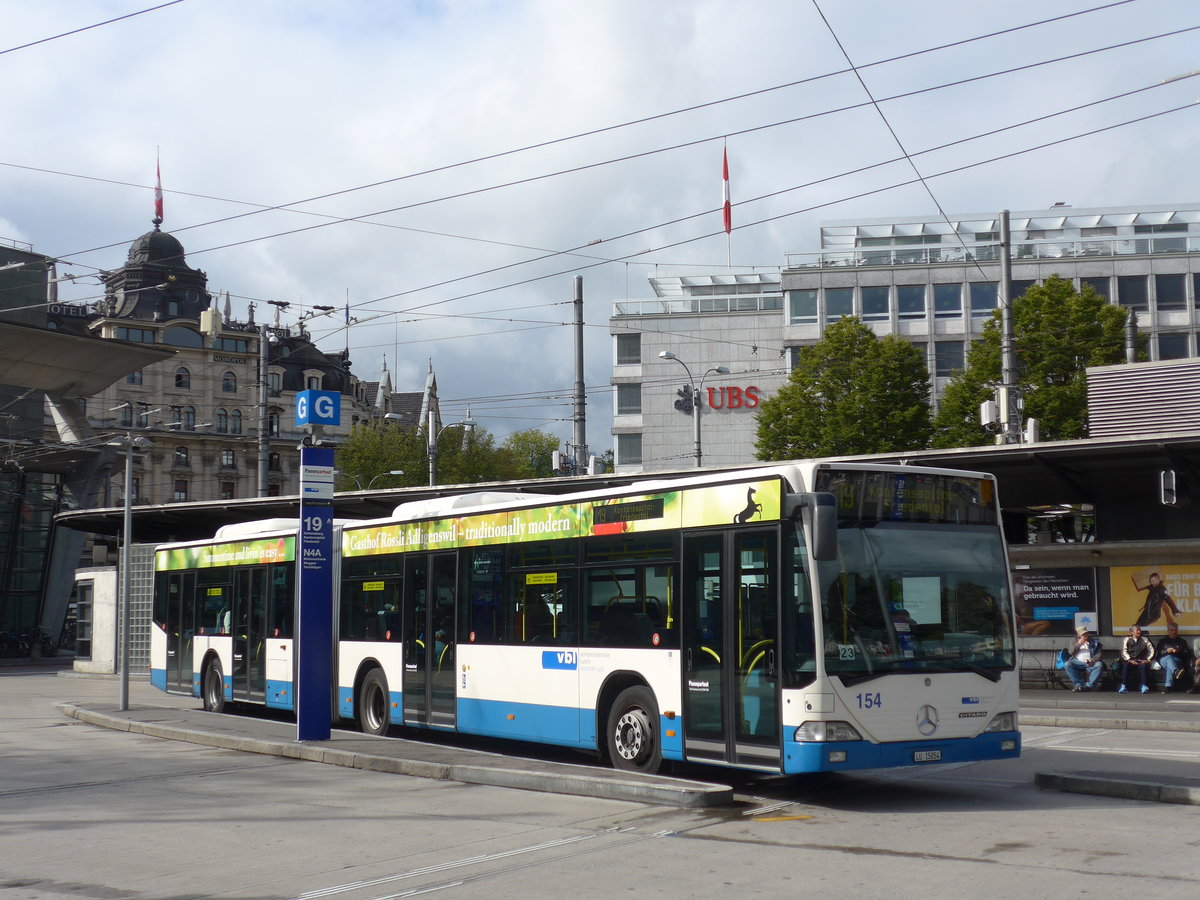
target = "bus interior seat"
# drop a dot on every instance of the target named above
(624, 625)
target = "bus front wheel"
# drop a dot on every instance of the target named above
(633, 732)
(214, 687)
(373, 703)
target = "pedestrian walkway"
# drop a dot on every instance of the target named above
(397, 756)
(178, 718)
(1108, 709)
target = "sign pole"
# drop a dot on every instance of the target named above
(314, 562)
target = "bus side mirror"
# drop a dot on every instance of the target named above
(819, 513)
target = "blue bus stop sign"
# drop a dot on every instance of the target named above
(318, 408)
(314, 597)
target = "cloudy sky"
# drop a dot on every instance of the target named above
(450, 167)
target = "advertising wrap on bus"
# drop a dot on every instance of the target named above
(237, 553)
(754, 501)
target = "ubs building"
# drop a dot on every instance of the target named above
(929, 280)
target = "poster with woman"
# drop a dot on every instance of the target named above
(1153, 597)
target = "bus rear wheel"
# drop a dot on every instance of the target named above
(633, 743)
(373, 703)
(214, 687)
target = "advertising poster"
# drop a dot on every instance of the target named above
(1154, 596)
(1048, 599)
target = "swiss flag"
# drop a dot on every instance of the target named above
(158, 200)
(727, 207)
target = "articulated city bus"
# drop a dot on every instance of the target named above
(815, 616)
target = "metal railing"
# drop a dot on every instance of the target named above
(1021, 251)
(679, 306)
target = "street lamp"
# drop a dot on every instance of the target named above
(126, 540)
(432, 433)
(696, 404)
(382, 474)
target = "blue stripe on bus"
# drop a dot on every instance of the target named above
(346, 700)
(158, 679)
(561, 725)
(814, 757)
(280, 694)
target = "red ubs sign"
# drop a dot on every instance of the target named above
(733, 397)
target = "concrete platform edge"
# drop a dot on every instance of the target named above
(683, 794)
(1121, 788)
(1066, 720)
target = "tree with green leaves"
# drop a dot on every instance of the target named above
(1057, 333)
(464, 456)
(851, 392)
(527, 454)
(376, 447)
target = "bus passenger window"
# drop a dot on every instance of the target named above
(631, 606)
(481, 604)
(541, 608)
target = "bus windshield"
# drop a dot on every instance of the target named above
(916, 597)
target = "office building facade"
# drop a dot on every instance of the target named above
(931, 281)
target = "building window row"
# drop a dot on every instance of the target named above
(629, 399)
(227, 422)
(1167, 293)
(629, 349)
(877, 303)
(140, 335)
(628, 449)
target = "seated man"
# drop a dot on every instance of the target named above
(1084, 668)
(1173, 655)
(1137, 653)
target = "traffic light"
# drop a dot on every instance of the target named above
(685, 402)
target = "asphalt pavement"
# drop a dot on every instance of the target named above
(178, 718)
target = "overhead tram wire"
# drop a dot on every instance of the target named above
(628, 124)
(760, 197)
(835, 202)
(892, 131)
(706, 213)
(73, 31)
(764, 196)
(554, 254)
(262, 208)
(684, 145)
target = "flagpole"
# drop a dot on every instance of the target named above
(726, 206)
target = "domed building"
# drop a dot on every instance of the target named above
(201, 409)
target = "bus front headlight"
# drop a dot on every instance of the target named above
(825, 732)
(1005, 721)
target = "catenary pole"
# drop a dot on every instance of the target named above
(580, 429)
(1010, 407)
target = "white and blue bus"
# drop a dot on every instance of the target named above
(804, 617)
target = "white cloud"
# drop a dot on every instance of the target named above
(279, 100)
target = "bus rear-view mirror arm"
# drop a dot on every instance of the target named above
(818, 511)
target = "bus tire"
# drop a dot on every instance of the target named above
(633, 743)
(373, 703)
(213, 691)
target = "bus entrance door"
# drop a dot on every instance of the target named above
(180, 590)
(250, 633)
(730, 625)
(429, 592)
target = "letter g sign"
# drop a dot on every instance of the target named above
(318, 408)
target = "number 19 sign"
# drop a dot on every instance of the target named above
(314, 598)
